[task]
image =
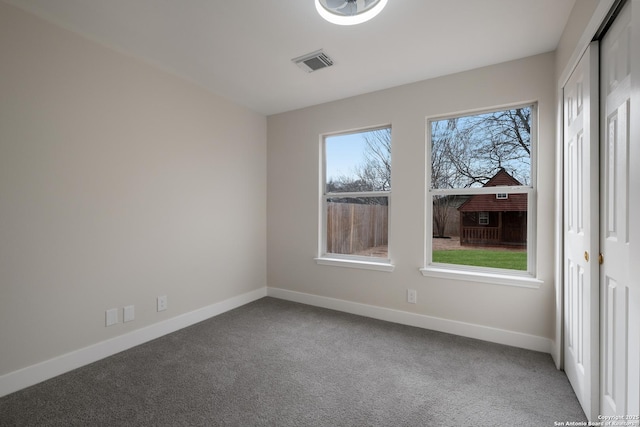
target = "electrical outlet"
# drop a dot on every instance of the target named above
(162, 303)
(128, 313)
(111, 317)
(412, 296)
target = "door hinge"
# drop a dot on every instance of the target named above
(600, 259)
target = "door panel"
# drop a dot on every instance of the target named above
(633, 363)
(615, 274)
(581, 226)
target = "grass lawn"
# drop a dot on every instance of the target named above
(483, 258)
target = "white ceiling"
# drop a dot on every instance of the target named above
(242, 49)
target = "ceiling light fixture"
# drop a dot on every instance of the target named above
(349, 12)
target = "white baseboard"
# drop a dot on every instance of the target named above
(34, 374)
(556, 355)
(485, 333)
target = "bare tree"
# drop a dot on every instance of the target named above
(372, 174)
(469, 151)
(376, 167)
(449, 146)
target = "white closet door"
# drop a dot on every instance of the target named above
(619, 214)
(581, 231)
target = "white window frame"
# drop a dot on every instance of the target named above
(345, 260)
(502, 196)
(483, 218)
(496, 276)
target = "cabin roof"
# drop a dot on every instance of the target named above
(490, 203)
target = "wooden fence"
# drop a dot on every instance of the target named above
(352, 227)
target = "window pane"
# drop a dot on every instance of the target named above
(468, 151)
(358, 226)
(358, 161)
(480, 231)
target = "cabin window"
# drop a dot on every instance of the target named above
(480, 215)
(483, 218)
(355, 199)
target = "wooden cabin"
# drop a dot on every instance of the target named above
(495, 219)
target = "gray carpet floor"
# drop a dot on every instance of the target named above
(278, 363)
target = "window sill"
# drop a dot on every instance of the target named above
(522, 281)
(349, 263)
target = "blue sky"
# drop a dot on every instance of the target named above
(343, 154)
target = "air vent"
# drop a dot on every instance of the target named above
(313, 61)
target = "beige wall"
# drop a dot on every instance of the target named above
(292, 203)
(118, 183)
(581, 14)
